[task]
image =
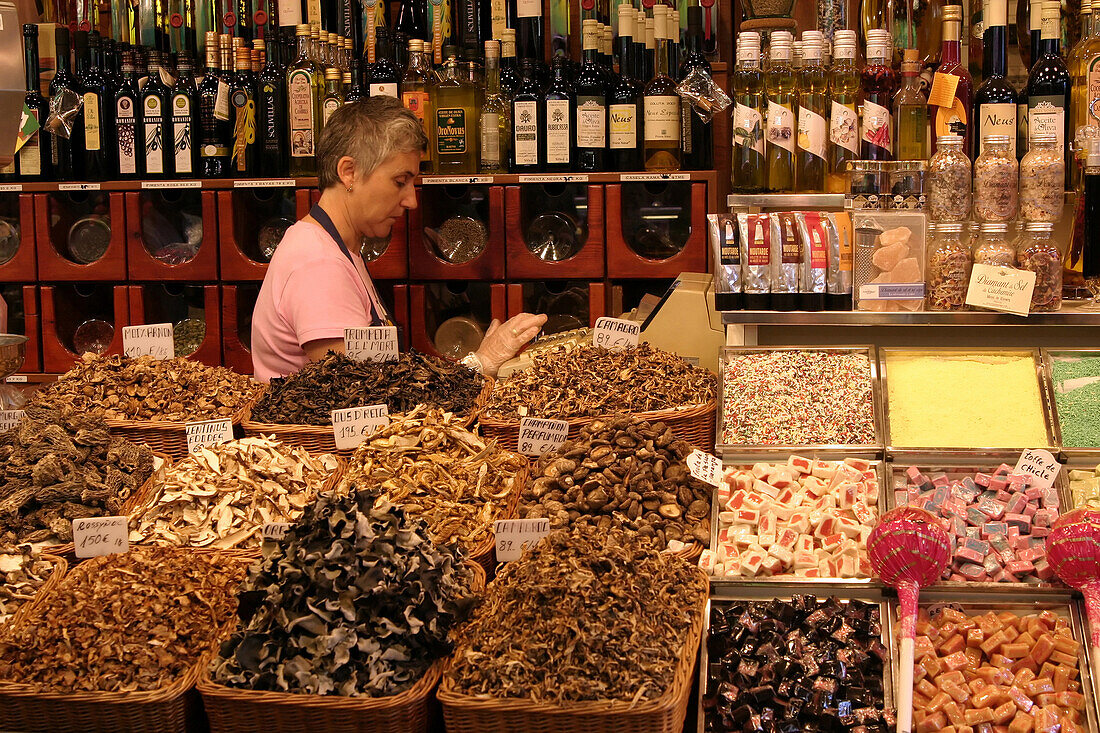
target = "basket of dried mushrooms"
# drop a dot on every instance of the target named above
(118, 643)
(580, 384)
(592, 632)
(437, 470)
(150, 400)
(298, 409)
(26, 577)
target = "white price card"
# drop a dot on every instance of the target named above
(355, 424)
(374, 343)
(1041, 464)
(705, 467)
(275, 531)
(17, 379)
(154, 339)
(616, 334)
(9, 419)
(207, 433)
(513, 536)
(95, 536)
(540, 435)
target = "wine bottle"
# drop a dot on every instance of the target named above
(697, 140)
(271, 118)
(813, 111)
(749, 172)
(493, 121)
(383, 76)
(509, 71)
(94, 121)
(214, 127)
(129, 132)
(34, 156)
(529, 38)
(528, 142)
(995, 101)
(412, 20)
(558, 112)
(304, 91)
(662, 106)
(625, 104)
(782, 93)
(156, 119)
(591, 105)
(242, 99)
(844, 132)
(877, 85)
(954, 118)
(1049, 84)
(61, 147)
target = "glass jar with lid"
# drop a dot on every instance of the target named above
(948, 181)
(996, 177)
(1036, 251)
(949, 262)
(992, 246)
(1042, 180)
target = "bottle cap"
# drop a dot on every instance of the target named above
(953, 227)
(1044, 138)
(949, 140)
(302, 29)
(994, 226)
(492, 49)
(1039, 226)
(953, 12)
(332, 74)
(843, 37)
(996, 139)
(416, 45)
(817, 36)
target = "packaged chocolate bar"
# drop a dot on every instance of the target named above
(758, 232)
(725, 250)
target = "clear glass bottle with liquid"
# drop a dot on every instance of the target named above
(911, 112)
(782, 92)
(455, 107)
(748, 173)
(494, 127)
(843, 114)
(813, 114)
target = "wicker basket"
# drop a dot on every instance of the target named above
(320, 438)
(57, 572)
(695, 424)
(166, 436)
(246, 711)
(468, 714)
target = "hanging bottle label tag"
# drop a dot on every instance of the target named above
(615, 334)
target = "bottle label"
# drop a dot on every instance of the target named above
(490, 138)
(526, 132)
(450, 131)
(383, 90)
(329, 106)
(811, 132)
(30, 155)
(1046, 115)
(662, 118)
(91, 121)
(686, 142)
(127, 129)
(154, 136)
(624, 126)
(877, 126)
(951, 120)
(181, 133)
(528, 8)
(591, 122)
(221, 102)
(244, 128)
(997, 119)
(780, 126)
(300, 91)
(748, 127)
(557, 131)
(417, 103)
(1094, 90)
(844, 128)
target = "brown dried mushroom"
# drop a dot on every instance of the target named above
(23, 572)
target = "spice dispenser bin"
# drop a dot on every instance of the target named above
(1071, 412)
(555, 230)
(171, 234)
(457, 233)
(568, 304)
(23, 318)
(251, 221)
(238, 302)
(450, 318)
(80, 236)
(81, 317)
(18, 260)
(656, 229)
(193, 310)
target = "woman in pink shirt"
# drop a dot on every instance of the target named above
(317, 284)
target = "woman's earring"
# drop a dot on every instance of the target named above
(349, 189)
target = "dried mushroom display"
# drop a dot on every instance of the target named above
(337, 382)
(355, 601)
(581, 616)
(220, 497)
(589, 381)
(436, 470)
(23, 571)
(622, 472)
(176, 390)
(124, 623)
(55, 469)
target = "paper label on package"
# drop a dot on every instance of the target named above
(9, 419)
(1001, 289)
(353, 425)
(95, 536)
(513, 536)
(705, 467)
(154, 339)
(374, 343)
(541, 435)
(275, 531)
(893, 291)
(206, 433)
(615, 334)
(1041, 464)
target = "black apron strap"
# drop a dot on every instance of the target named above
(378, 310)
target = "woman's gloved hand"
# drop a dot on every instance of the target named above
(504, 340)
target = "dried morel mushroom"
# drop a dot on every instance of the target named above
(356, 601)
(590, 381)
(220, 497)
(55, 469)
(145, 388)
(337, 382)
(23, 571)
(436, 470)
(622, 472)
(581, 616)
(124, 623)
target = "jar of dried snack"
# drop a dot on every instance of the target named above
(949, 263)
(1042, 180)
(948, 180)
(996, 175)
(1037, 252)
(992, 246)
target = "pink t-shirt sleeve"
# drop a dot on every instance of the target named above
(321, 301)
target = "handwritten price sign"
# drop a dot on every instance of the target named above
(95, 536)
(1041, 464)
(207, 433)
(275, 531)
(355, 424)
(513, 536)
(538, 436)
(9, 419)
(374, 343)
(615, 334)
(705, 467)
(153, 340)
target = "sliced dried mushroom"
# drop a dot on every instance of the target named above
(23, 572)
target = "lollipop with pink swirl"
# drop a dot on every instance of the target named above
(1073, 551)
(909, 550)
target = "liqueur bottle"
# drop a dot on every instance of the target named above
(995, 101)
(750, 106)
(953, 117)
(911, 112)
(662, 107)
(782, 92)
(813, 111)
(877, 86)
(844, 132)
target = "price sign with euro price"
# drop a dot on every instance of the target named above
(353, 425)
(615, 334)
(95, 536)
(153, 340)
(374, 343)
(513, 536)
(538, 436)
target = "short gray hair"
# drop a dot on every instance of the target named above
(369, 131)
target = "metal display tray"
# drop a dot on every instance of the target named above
(741, 452)
(1068, 453)
(934, 454)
